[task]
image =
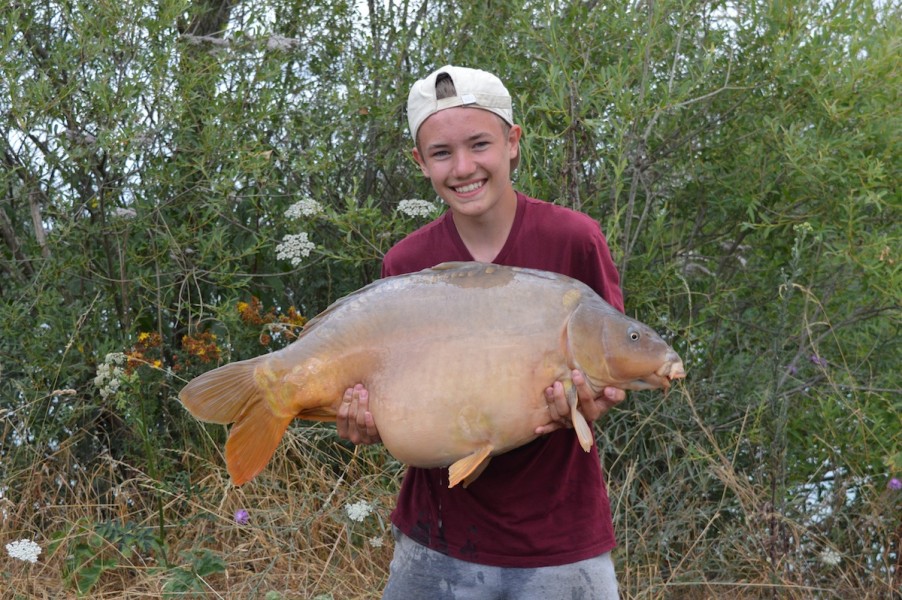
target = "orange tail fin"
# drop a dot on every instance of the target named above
(230, 394)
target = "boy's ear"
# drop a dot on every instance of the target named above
(513, 139)
(420, 163)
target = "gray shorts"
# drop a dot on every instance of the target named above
(416, 572)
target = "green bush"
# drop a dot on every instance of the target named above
(743, 162)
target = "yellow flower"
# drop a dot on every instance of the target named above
(143, 336)
(158, 363)
(242, 306)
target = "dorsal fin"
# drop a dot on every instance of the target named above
(453, 264)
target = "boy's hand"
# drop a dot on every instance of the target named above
(590, 406)
(355, 421)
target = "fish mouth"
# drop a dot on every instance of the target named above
(670, 370)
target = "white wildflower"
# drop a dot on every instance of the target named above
(830, 557)
(125, 213)
(359, 510)
(294, 248)
(308, 207)
(416, 208)
(377, 541)
(803, 227)
(278, 42)
(110, 374)
(24, 550)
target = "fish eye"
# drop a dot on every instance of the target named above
(634, 335)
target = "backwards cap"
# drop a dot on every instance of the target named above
(476, 88)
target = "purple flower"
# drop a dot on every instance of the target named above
(241, 516)
(821, 362)
(894, 484)
(792, 370)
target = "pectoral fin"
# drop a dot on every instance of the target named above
(580, 425)
(469, 467)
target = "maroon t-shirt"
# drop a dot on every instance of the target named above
(545, 503)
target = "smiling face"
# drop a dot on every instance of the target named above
(466, 153)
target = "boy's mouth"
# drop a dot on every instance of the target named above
(470, 187)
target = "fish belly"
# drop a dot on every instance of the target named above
(432, 409)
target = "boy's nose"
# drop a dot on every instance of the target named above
(463, 164)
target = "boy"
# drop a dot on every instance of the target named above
(537, 522)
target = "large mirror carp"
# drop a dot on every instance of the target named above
(455, 358)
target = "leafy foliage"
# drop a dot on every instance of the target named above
(742, 158)
(94, 549)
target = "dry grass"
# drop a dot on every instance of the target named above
(676, 540)
(298, 542)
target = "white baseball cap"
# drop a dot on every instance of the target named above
(474, 87)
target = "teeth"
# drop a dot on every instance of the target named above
(468, 188)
